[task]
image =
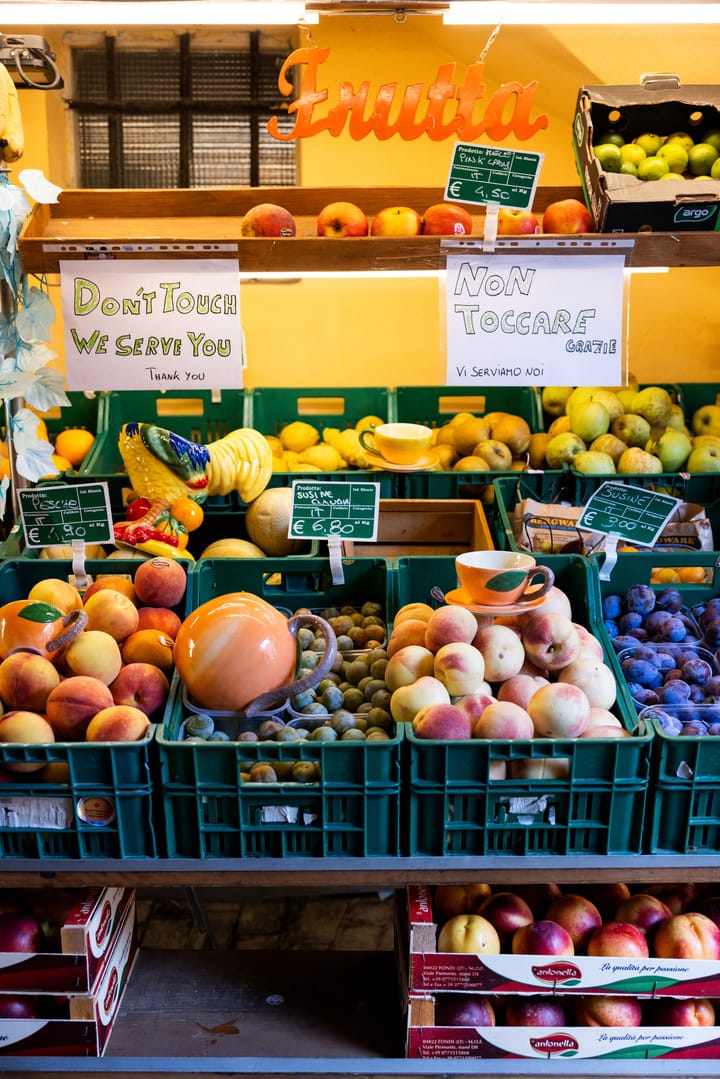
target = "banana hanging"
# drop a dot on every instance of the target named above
(12, 139)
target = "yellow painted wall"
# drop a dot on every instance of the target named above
(388, 332)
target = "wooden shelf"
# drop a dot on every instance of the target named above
(155, 224)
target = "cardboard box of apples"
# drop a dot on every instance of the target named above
(530, 971)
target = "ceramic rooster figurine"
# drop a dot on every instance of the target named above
(172, 477)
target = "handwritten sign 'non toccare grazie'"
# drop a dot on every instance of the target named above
(548, 320)
(152, 325)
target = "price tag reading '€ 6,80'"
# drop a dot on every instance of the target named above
(334, 511)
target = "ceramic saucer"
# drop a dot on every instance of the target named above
(428, 460)
(459, 598)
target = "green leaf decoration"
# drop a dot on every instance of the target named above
(36, 611)
(505, 582)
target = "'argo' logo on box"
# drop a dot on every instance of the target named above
(695, 214)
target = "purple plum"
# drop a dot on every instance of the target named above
(640, 598)
(674, 630)
(655, 621)
(697, 671)
(612, 607)
(640, 634)
(693, 729)
(611, 627)
(674, 692)
(630, 620)
(697, 694)
(639, 670)
(669, 599)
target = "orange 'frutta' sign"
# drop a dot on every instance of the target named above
(508, 110)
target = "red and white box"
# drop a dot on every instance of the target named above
(86, 938)
(430, 971)
(87, 1021)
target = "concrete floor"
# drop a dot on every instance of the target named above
(188, 919)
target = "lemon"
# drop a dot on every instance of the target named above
(275, 445)
(74, 444)
(652, 168)
(713, 138)
(322, 456)
(298, 436)
(701, 159)
(633, 153)
(682, 137)
(628, 169)
(675, 154)
(609, 156)
(368, 422)
(649, 142)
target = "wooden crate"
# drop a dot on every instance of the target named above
(426, 526)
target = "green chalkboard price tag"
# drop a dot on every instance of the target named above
(63, 514)
(633, 513)
(485, 174)
(334, 510)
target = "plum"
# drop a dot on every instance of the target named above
(655, 621)
(612, 607)
(697, 694)
(669, 599)
(611, 627)
(697, 671)
(643, 672)
(630, 620)
(674, 692)
(665, 662)
(711, 632)
(640, 598)
(674, 629)
(693, 729)
(712, 686)
(645, 696)
(640, 634)
(623, 642)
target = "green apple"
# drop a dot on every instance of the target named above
(554, 399)
(609, 444)
(578, 395)
(704, 459)
(589, 420)
(654, 404)
(592, 463)
(673, 448)
(706, 420)
(610, 400)
(562, 449)
(632, 429)
(636, 461)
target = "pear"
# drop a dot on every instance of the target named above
(632, 429)
(636, 460)
(611, 445)
(654, 404)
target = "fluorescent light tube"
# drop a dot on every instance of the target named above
(571, 13)
(76, 13)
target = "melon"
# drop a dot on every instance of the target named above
(268, 519)
(93, 550)
(232, 548)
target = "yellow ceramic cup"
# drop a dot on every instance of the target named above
(502, 578)
(397, 443)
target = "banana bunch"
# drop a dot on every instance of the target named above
(12, 138)
(242, 462)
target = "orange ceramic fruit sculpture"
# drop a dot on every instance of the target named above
(38, 627)
(237, 652)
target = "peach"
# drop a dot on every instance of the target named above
(95, 654)
(550, 640)
(601, 717)
(589, 645)
(141, 685)
(72, 705)
(118, 723)
(507, 912)
(502, 650)
(542, 938)
(535, 1012)
(460, 667)
(421, 611)
(111, 612)
(407, 701)
(449, 624)
(644, 911)
(25, 728)
(57, 593)
(683, 936)
(267, 219)
(443, 722)
(502, 719)
(578, 915)
(679, 897)
(606, 896)
(446, 219)
(594, 678)
(474, 704)
(160, 618)
(452, 899)
(26, 680)
(469, 933)
(160, 582)
(559, 710)
(464, 1010)
(540, 768)
(618, 938)
(407, 665)
(688, 1012)
(520, 688)
(149, 646)
(538, 896)
(608, 1011)
(116, 581)
(410, 633)
(609, 730)
(555, 601)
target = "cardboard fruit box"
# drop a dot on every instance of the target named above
(427, 1039)
(87, 937)
(430, 971)
(659, 105)
(78, 1025)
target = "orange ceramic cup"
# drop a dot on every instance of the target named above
(397, 443)
(502, 578)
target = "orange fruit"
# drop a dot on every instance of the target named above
(187, 511)
(666, 575)
(691, 574)
(74, 444)
(149, 646)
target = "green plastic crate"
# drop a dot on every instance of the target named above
(693, 395)
(575, 489)
(271, 408)
(199, 416)
(352, 810)
(454, 808)
(434, 406)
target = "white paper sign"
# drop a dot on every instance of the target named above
(137, 324)
(520, 320)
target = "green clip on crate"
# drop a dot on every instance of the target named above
(434, 406)
(199, 416)
(354, 808)
(684, 807)
(271, 408)
(98, 801)
(454, 806)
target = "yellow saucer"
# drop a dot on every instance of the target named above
(428, 460)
